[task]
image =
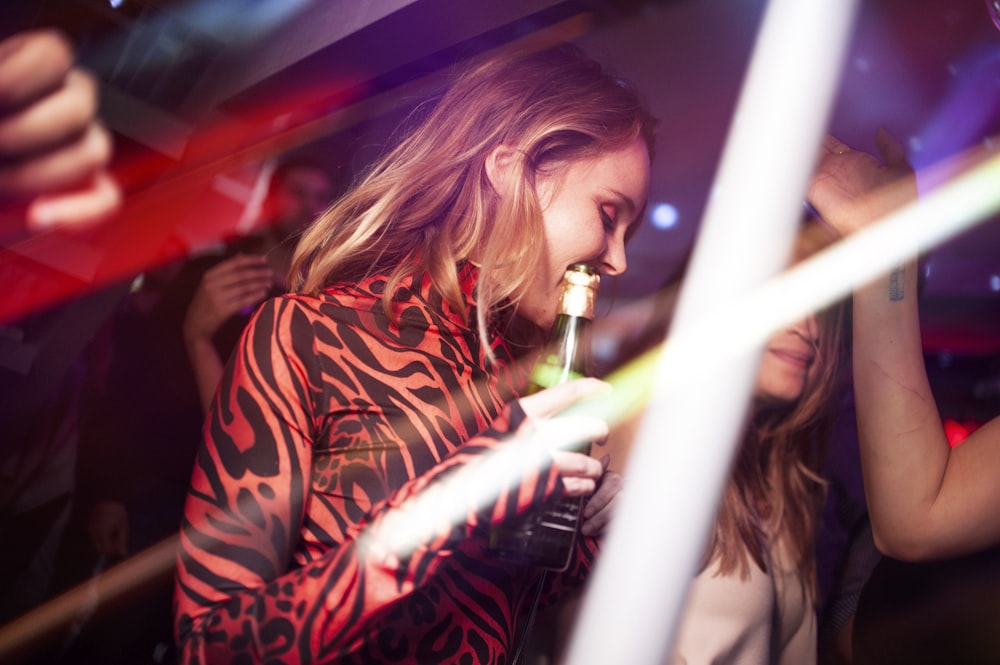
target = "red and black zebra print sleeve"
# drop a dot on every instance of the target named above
(273, 565)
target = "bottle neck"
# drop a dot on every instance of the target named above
(566, 355)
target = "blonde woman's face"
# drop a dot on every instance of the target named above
(786, 362)
(588, 209)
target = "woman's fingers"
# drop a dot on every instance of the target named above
(53, 120)
(893, 152)
(239, 281)
(67, 166)
(54, 153)
(600, 507)
(553, 400)
(32, 64)
(834, 146)
(226, 288)
(76, 208)
(579, 472)
(852, 188)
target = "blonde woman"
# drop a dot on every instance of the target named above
(393, 367)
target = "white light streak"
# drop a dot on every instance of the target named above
(687, 437)
(670, 480)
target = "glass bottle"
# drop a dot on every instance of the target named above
(546, 535)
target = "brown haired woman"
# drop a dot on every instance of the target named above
(753, 602)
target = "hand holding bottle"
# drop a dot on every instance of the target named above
(546, 536)
(579, 472)
(582, 475)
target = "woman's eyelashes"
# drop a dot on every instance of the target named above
(606, 219)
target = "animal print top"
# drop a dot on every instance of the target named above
(339, 506)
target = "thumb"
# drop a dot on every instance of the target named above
(893, 152)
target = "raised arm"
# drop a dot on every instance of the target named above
(926, 500)
(225, 289)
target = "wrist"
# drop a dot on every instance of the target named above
(196, 337)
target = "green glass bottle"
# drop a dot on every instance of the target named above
(546, 535)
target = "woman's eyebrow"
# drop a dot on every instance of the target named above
(627, 200)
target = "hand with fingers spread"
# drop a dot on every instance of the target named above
(851, 189)
(54, 153)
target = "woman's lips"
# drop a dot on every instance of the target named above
(798, 358)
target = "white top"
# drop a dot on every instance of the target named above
(763, 620)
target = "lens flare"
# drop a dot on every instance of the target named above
(993, 7)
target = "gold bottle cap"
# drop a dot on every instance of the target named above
(579, 291)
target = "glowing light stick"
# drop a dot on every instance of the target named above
(686, 438)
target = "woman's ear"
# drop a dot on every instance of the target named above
(499, 167)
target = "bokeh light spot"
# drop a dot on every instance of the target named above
(664, 216)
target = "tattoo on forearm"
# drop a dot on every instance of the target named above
(896, 280)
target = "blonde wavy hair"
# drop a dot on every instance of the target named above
(428, 205)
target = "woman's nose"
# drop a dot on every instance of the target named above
(808, 328)
(614, 262)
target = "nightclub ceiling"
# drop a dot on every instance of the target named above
(201, 87)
